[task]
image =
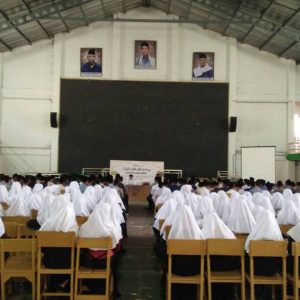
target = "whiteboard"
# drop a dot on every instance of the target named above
(259, 162)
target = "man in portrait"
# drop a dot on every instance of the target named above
(91, 66)
(203, 70)
(145, 60)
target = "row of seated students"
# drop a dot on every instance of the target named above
(185, 226)
(57, 213)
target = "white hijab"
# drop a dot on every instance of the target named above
(3, 194)
(15, 189)
(78, 200)
(296, 199)
(289, 213)
(185, 225)
(38, 187)
(164, 196)
(44, 211)
(241, 219)
(266, 228)
(166, 210)
(35, 201)
(215, 228)
(186, 191)
(100, 224)
(113, 195)
(17, 206)
(116, 210)
(277, 200)
(91, 198)
(222, 206)
(62, 216)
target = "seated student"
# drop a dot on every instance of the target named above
(184, 226)
(101, 223)
(78, 199)
(289, 213)
(241, 219)
(61, 218)
(266, 228)
(215, 228)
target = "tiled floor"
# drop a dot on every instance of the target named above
(139, 270)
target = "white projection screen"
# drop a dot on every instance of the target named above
(259, 162)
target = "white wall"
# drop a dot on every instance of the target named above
(262, 86)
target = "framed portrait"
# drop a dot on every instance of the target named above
(91, 62)
(203, 66)
(145, 55)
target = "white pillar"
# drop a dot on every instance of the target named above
(232, 79)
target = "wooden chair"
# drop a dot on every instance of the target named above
(54, 239)
(167, 230)
(4, 205)
(89, 273)
(267, 249)
(186, 247)
(156, 208)
(34, 213)
(284, 228)
(18, 265)
(161, 222)
(11, 229)
(294, 279)
(81, 219)
(226, 247)
(16, 219)
(241, 236)
(25, 232)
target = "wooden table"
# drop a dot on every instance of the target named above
(138, 192)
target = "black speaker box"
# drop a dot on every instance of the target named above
(53, 119)
(232, 124)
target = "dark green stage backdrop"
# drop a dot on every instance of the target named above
(183, 124)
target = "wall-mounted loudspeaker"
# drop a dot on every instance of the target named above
(232, 124)
(54, 119)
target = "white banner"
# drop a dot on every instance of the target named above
(141, 171)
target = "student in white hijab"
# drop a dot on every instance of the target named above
(289, 213)
(222, 206)
(296, 199)
(186, 191)
(15, 189)
(277, 200)
(205, 206)
(62, 219)
(215, 228)
(262, 200)
(266, 228)
(78, 199)
(62, 216)
(17, 206)
(164, 196)
(37, 188)
(241, 219)
(3, 194)
(101, 224)
(184, 226)
(167, 209)
(91, 197)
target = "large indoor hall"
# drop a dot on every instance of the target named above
(149, 149)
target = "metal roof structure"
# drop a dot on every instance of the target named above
(270, 25)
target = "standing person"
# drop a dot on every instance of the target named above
(145, 60)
